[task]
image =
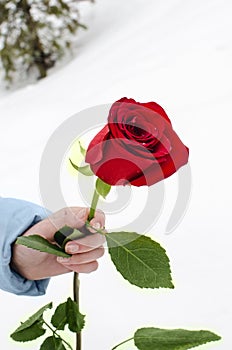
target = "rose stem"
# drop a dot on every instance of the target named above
(125, 341)
(76, 281)
(93, 205)
(54, 332)
(76, 290)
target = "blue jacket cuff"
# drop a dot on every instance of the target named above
(16, 216)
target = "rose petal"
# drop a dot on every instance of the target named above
(118, 162)
(162, 148)
(95, 146)
(158, 109)
(129, 116)
(155, 173)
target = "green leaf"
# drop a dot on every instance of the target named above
(68, 313)
(32, 328)
(30, 333)
(52, 343)
(63, 233)
(59, 319)
(37, 316)
(82, 149)
(102, 188)
(171, 339)
(75, 318)
(85, 170)
(139, 259)
(76, 234)
(39, 243)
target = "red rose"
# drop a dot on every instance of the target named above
(138, 145)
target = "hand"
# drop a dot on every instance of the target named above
(35, 265)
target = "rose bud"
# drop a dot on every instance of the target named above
(138, 146)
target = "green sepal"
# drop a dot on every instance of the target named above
(39, 243)
(140, 260)
(82, 149)
(102, 188)
(84, 170)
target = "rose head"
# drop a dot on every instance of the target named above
(138, 146)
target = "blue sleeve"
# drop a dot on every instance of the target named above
(16, 216)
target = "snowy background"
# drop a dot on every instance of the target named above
(177, 53)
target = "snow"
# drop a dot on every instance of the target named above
(177, 53)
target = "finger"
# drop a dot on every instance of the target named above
(74, 217)
(85, 244)
(82, 258)
(84, 268)
(98, 222)
(99, 213)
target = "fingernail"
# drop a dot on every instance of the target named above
(72, 248)
(63, 260)
(82, 213)
(96, 225)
